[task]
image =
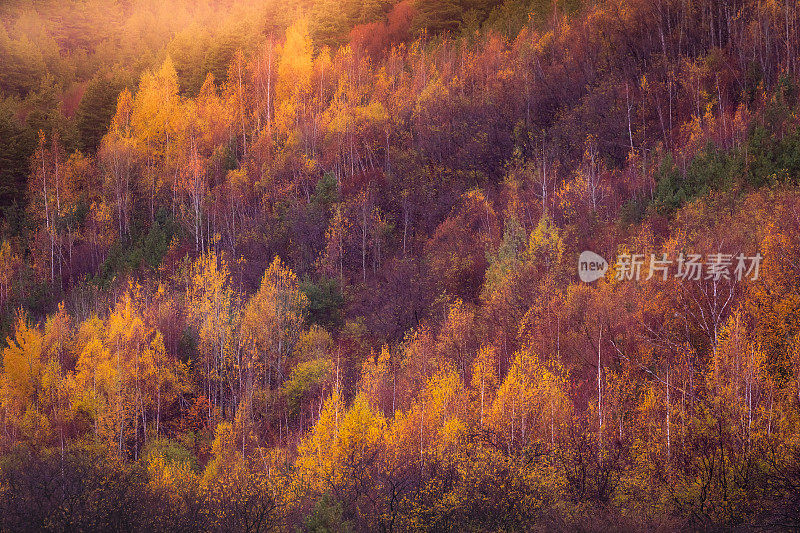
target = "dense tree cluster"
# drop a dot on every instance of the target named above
(313, 265)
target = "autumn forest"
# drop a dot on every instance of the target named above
(318, 265)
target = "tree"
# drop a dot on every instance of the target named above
(9, 264)
(438, 16)
(531, 403)
(213, 310)
(329, 22)
(457, 340)
(118, 157)
(16, 147)
(96, 110)
(342, 455)
(22, 381)
(206, 125)
(737, 378)
(44, 190)
(156, 122)
(458, 248)
(295, 66)
(273, 321)
(484, 378)
(332, 259)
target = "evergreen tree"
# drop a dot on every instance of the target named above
(16, 147)
(95, 111)
(438, 16)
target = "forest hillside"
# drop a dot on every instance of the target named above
(427, 265)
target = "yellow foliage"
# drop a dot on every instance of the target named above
(296, 63)
(22, 368)
(532, 403)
